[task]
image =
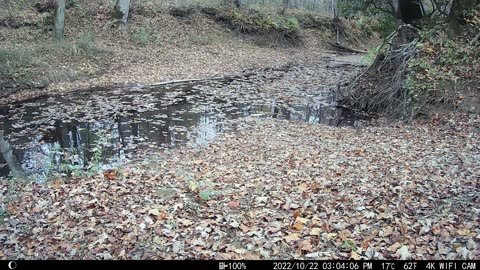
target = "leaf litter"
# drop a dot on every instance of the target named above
(277, 189)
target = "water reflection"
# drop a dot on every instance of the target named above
(124, 123)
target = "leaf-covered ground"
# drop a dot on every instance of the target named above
(277, 189)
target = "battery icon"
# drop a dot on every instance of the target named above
(221, 266)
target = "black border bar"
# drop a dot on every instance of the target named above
(242, 265)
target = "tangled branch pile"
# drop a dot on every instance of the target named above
(381, 88)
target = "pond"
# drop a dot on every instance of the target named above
(107, 127)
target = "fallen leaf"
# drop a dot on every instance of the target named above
(387, 231)
(464, 253)
(298, 226)
(354, 255)
(292, 237)
(315, 231)
(148, 220)
(261, 200)
(158, 240)
(154, 212)
(403, 253)
(331, 236)
(369, 215)
(306, 246)
(110, 175)
(344, 234)
(301, 220)
(233, 204)
(394, 247)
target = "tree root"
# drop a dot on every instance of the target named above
(380, 88)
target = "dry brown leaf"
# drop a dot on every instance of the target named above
(292, 237)
(110, 175)
(298, 226)
(345, 234)
(394, 247)
(306, 246)
(387, 231)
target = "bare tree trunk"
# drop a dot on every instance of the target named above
(285, 5)
(334, 9)
(336, 20)
(122, 8)
(59, 25)
(455, 19)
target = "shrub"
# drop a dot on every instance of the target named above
(248, 21)
(140, 36)
(87, 44)
(440, 64)
(15, 63)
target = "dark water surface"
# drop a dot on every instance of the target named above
(109, 126)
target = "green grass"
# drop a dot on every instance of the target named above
(15, 63)
(371, 55)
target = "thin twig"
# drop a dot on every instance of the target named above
(475, 39)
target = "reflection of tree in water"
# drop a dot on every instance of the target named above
(8, 157)
(281, 112)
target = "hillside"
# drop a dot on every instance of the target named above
(157, 47)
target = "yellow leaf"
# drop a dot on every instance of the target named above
(193, 186)
(301, 220)
(302, 187)
(158, 240)
(464, 232)
(315, 231)
(331, 236)
(354, 255)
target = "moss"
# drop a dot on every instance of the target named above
(254, 22)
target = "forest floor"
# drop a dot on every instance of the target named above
(279, 189)
(276, 189)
